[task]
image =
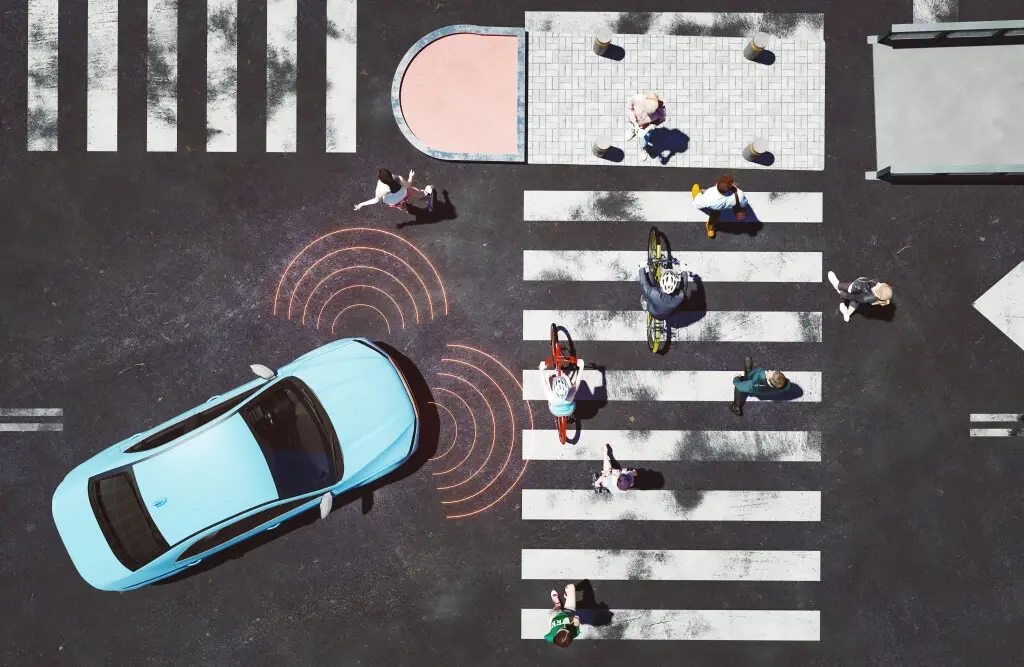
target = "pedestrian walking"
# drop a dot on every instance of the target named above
(713, 201)
(645, 111)
(859, 291)
(394, 191)
(613, 480)
(756, 382)
(564, 624)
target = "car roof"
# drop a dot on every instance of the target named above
(210, 475)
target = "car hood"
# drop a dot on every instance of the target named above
(366, 401)
(81, 534)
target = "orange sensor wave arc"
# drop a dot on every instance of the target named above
(503, 367)
(468, 411)
(350, 287)
(305, 307)
(361, 305)
(455, 439)
(512, 442)
(359, 248)
(494, 430)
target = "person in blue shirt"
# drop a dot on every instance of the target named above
(664, 297)
(758, 382)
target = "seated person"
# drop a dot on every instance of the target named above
(560, 390)
(663, 298)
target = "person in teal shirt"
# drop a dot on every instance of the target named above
(756, 382)
(564, 623)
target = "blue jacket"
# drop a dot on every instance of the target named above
(756, 384)
(659, 304)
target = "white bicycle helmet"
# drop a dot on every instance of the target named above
(560, 386)
(669, 281)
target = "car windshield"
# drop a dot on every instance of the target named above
(296, 437)
(133, 537)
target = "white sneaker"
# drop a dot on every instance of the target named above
(845, 311)
(834, 280)
(554, 598)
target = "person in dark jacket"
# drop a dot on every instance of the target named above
(662, 298)
(861, 290)
(756, 382)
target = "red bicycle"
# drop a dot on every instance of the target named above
(564, 363)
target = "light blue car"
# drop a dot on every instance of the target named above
(334, 419)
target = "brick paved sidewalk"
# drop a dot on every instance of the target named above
(720, 100)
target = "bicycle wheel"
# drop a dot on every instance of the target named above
(654, 334)
(563, 423)
(653, 247)
(556, 350)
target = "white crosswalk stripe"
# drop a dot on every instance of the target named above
(282, 82)
(101, 119)
(162, 77)
(622, 266)
(42, 94)
(689, 624)
(670, 565)
(713, 326)
(221, 76)
(663, 505)
(639, 446)
(660, 206)
(665, 385)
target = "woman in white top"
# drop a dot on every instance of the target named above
(394, 191)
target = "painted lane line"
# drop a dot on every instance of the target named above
(341, 76)
(661, 206)
(101, 87)
(999, 417)
(773, 625)
(162, 77)
(997, 432)
(673, 565)
(663, 505)
(736, 326)
(222, 76)
(282, 75)
(27, 426)
(31, 412)
(42, 97)
(621, 266)
(636, 446)
(665, 385)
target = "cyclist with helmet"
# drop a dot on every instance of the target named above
(560, 390)
(664, 297)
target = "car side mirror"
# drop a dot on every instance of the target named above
(326, 503)
(263, 371)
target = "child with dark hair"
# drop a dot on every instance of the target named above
(393, 191)
(613, 480)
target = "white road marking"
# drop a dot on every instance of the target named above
(101, 89)
(674, 565)
(31, 412)
(775, 625)
(282, 76)
(635, 446)
(42, 96)
(663, 505)
(622, 266)
(1000, 417)
(1003, 304)
(341, 76)
(665, 385)
(162, 77)
(222, 76)
(661, 206)
(26, 426)
(996, 432)
(736, 326)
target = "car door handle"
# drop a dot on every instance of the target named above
(213, 398)
(273, 526)
(195, 562)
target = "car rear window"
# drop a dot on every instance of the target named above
(124, 520)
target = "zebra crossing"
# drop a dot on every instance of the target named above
(676, 381)
(223, 67)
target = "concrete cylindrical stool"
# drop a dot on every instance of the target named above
(756, 45)
(755, 149)
(602, 42)
(601, 145)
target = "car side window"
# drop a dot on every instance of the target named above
(240, 527)
(175, 431)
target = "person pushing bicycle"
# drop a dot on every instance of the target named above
(663, 297)
(560, 390)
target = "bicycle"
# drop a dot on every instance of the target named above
(563, 362)
(657, 260)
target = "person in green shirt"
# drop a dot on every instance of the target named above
(564, 623)
(756, 382)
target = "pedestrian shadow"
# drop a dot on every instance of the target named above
(883, 313)
(648, 480)
(588, 609)
(695, 305)
(444, 209)
(730, 224)
(766, 58)
(664, 143)
(790, 393)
